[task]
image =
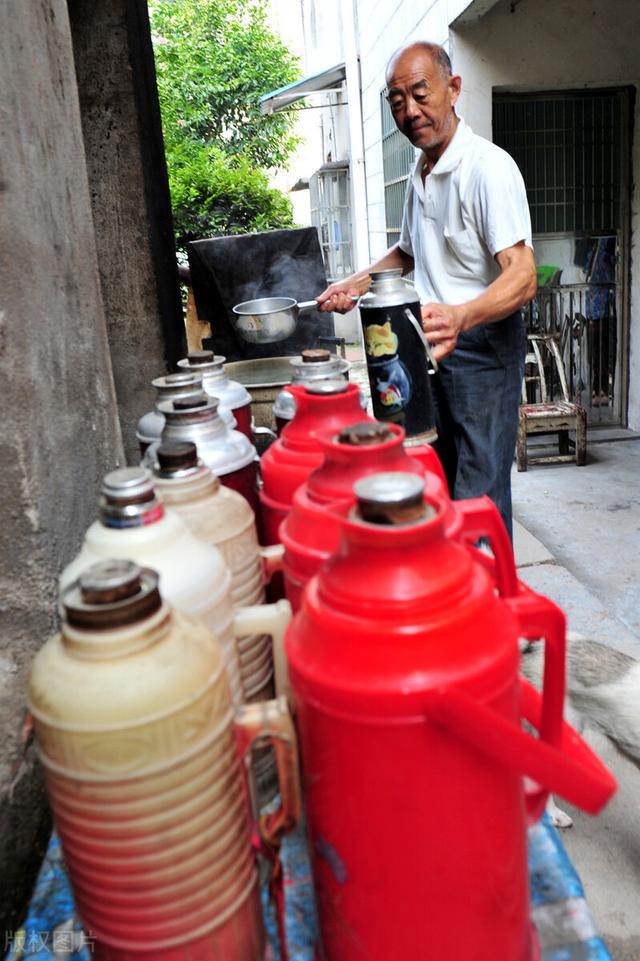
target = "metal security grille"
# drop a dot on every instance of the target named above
(398, 157)
(568, 149)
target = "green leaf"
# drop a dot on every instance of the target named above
(214, 60)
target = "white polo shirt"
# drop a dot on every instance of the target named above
(471, 206)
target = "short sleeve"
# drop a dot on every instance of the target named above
(499, 203)
(407, 219)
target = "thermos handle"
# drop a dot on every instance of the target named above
(571, 769)
(585, 772)
(264, 432)
(559, 760)
(272, 558)
(542, 620)
(271, 722)
(481, 518)
(425, 343)
(426, 455)
(270, 619)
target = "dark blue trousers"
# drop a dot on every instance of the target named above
(476, 396)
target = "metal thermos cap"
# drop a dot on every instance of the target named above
(182, 379)
(128, 483)
(178, 456)
(328, 387)
(365, 434)
(112, 593)
(315, 356)
(192, 401)
(196, 357)
(390, 497)
(390, 274)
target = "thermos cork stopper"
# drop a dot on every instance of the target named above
(391, 497)
(111, 594)
(176, 457)
(328, 387)
(365, 434)
(315, 356)
(110, 581)
(200, 357)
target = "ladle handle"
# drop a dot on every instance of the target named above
(311, 304)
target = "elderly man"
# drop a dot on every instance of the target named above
(466, 232)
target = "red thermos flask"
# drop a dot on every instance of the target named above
(310, 533)
(287, 463)
(419, 778)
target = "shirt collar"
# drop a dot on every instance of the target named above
(450, 158)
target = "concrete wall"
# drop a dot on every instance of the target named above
(59, 429)
(543, 45)
(383, 28)
(130, 198)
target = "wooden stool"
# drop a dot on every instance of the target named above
(549, 417)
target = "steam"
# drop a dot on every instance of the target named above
(285, 276)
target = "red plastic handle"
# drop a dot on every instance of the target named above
(542, 620)
(571, 770)
(585, 773)
(480, 518)
(559, 760)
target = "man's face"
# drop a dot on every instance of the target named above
(421, 98)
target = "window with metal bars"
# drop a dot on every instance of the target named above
(567, 146)
(398, 157)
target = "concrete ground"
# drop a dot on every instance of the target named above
(577, 540)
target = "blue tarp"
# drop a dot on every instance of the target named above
(52, 933)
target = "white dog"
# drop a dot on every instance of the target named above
(603, 693)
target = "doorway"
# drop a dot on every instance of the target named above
(573, 149)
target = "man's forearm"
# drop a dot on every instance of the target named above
(443, 323)
(394, 257)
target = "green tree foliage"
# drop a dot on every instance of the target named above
(214, 60)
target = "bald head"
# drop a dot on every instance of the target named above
(438, 55)
(422, 93)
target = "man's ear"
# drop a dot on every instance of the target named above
(455, 86)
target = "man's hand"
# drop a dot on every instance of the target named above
(442, 323)
(339, 296)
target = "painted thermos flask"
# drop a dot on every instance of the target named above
(398, 356)
(144, 763)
